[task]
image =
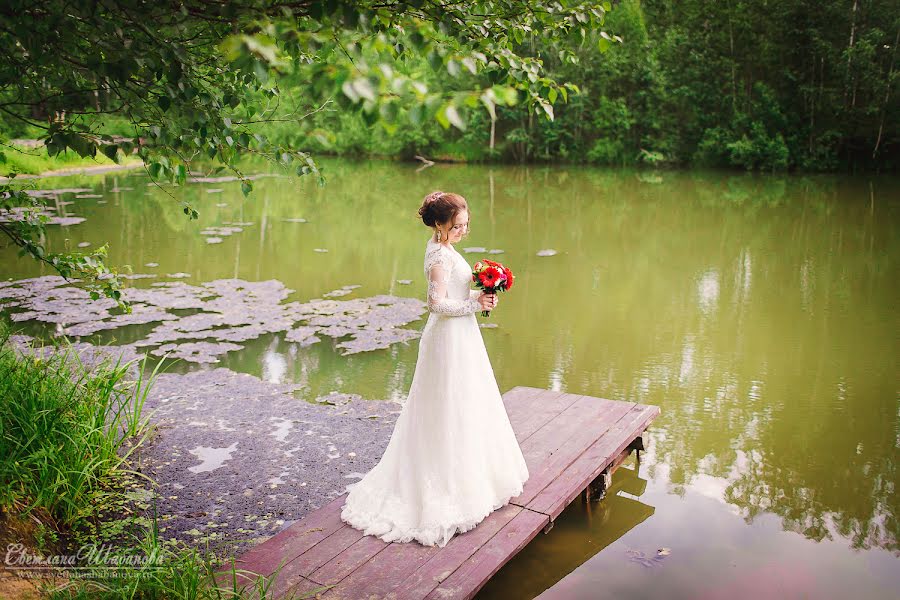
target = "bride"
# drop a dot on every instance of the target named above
(452, 458)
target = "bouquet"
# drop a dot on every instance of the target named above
(491, 277)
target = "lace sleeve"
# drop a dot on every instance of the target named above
(438, 265)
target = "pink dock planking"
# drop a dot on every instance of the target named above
(569, 441)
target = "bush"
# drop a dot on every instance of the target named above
(607, 151)
(753, 150)
(759, 150)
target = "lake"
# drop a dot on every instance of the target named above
(759, 312)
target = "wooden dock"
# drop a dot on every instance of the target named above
(571, 443)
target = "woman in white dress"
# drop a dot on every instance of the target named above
(453, 457)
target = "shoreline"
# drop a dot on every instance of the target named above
(234, 459)
(86, 170)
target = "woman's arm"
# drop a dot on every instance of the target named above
(437, 300)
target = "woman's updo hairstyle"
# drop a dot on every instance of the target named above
(441, 207)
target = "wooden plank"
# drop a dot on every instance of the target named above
(465, 581)
(300, 589)
(302, 567)
(543, 442)
(382, 572)
(569, 483)
(564, 439)
(349, 560)
(455, 553)
(567, 440)
(548, 405)
(519, 402)
(294, 540)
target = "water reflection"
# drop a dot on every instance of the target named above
(274, 366)
(758, 312)
(580, 532)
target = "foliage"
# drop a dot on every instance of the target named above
(67, 433)
(194, 82)
(773, 87)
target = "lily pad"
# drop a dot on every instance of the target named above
(229, 313)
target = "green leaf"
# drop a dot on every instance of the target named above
(416, 115)
(441, 117)
(454, 118)
(389, 111)
(350, 91)
(111, 151)
(364, 88)
(487, 98)
(164, 103)
(261, 72)
(246, 188)
(434, 60)
(547, 109)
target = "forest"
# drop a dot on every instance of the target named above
(769, 86)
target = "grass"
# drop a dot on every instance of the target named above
(35, 161)
(68, 438)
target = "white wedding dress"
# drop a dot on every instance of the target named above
(453, 457)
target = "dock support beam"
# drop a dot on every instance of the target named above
(596, 489)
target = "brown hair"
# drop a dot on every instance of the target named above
(441, 207)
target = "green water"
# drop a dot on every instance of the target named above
(758, 312)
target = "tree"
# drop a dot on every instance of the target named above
(194, 77)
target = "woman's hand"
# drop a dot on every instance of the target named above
(488, 301)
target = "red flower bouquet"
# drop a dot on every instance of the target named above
(491, 277)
